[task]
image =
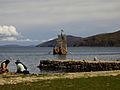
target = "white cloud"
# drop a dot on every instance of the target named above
(8, 39)
(9, 33)
(27, 40)
(48, 40)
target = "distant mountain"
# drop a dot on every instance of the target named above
(107, 39)
(71, 40)
(13, 45)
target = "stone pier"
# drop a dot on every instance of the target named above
(79, 65)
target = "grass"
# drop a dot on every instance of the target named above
(91, 83)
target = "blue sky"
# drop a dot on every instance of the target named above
(29, 22)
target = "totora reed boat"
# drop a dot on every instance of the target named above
(61, 45)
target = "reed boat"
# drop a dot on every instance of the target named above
(61, 44)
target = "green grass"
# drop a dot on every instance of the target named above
(92, 83)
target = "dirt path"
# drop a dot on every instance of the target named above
(14, 79)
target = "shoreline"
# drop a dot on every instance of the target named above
(11, 78)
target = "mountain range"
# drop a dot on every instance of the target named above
(104, 40)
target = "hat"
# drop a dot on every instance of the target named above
(7, 61)
(17, 61)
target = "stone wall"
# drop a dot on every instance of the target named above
(79, 65)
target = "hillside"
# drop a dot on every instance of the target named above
(71, 41)
(107, 39)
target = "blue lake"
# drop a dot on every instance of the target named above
(31, 56)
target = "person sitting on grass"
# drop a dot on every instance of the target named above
(4, 66)
(21, 68)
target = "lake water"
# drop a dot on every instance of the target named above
(31, 56)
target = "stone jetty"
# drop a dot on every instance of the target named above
(79, 65)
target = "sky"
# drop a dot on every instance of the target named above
(30, 22)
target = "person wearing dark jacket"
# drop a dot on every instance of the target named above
(4, 66)
(21, 68)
